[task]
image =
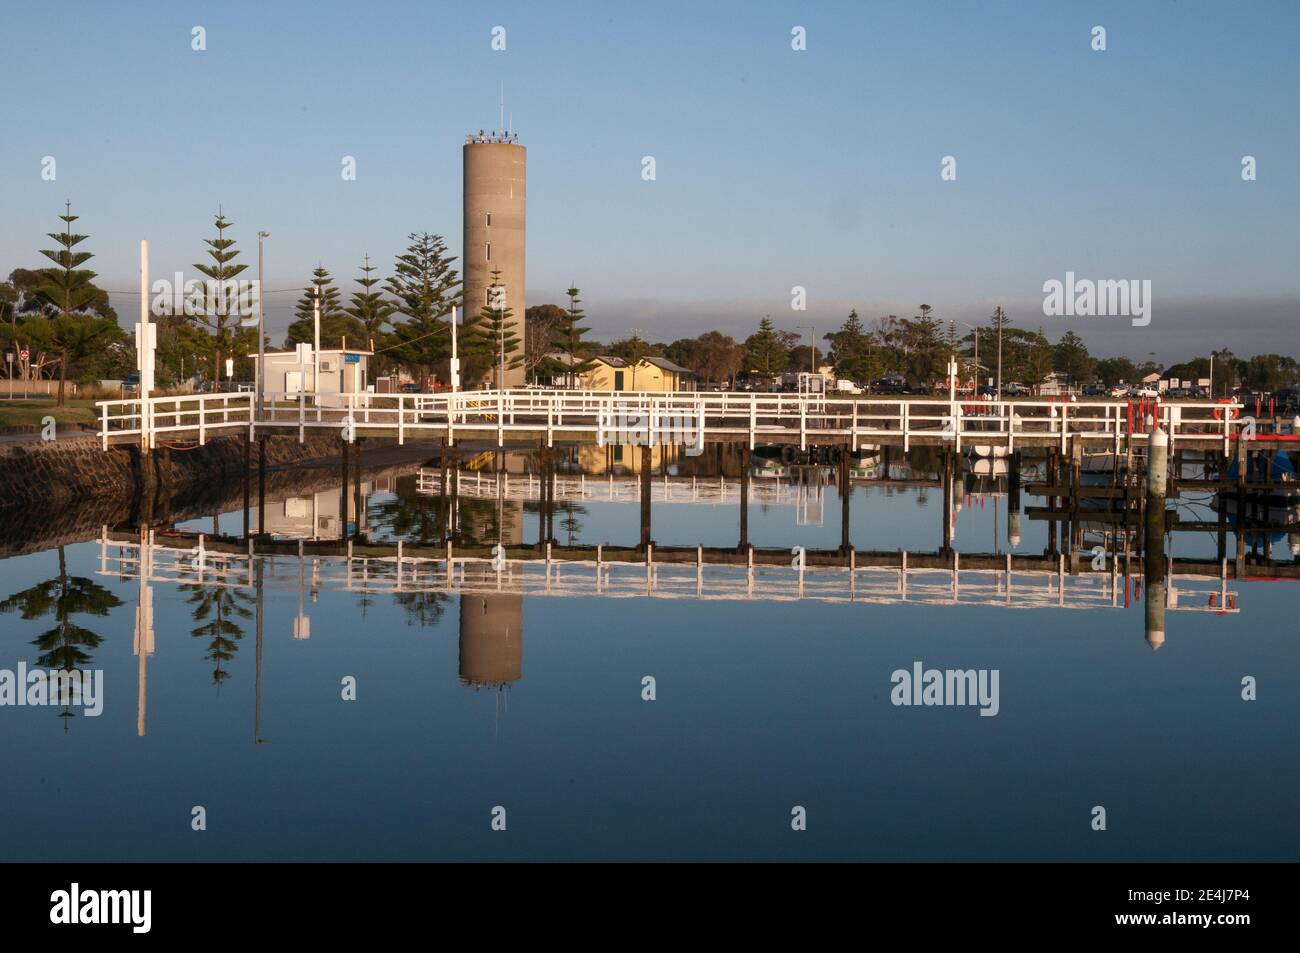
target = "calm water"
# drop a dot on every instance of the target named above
(764, 701)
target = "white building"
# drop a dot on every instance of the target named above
(342, 371)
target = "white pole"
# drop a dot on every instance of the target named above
(261, 326)
(145, 341)
(315, 370)
(455, 361)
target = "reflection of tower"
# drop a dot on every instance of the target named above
(492, 623)
(495, 176)
(491, 637)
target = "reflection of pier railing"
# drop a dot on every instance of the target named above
(1046, 584)
(715, 491)
(677, 417)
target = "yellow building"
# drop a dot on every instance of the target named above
(648, 374)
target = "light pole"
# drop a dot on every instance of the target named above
(315, 344)
(999, 316)
(261, 324)
(455, 361)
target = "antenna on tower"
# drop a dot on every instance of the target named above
(501, 123)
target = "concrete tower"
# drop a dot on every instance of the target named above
(495, 167)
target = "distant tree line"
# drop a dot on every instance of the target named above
(63, 320)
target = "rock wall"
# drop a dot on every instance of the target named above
(74, 468)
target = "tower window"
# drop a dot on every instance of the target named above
(489, 251)
(489, 219)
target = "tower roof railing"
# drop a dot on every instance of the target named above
(511, 138)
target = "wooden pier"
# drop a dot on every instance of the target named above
(688, 418)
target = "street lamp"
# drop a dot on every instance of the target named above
(999, 318)
(261, 324)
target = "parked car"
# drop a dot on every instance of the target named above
(1094, 390)
(1143, 390)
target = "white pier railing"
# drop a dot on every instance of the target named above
(541, 576)
(682, 417)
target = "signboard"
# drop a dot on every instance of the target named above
(352, 358)
(23, 354)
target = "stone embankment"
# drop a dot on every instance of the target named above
(74, 467)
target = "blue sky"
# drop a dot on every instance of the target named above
(775, 168)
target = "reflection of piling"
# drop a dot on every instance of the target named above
(445, 490)
(1154, 548)
(946, 548)
(1013, 500)
(343, 487)
(261, 485)
(546, 496)
(845, 491)
(1243, 466)
(248, 476)
(551, 471)
(744, 497)
(1076, 466)
(356, 496)
(645, 496)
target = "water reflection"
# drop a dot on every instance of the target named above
(424, 579)
(457, 529)
(67, 646)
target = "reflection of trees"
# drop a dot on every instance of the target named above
(217, 608)
(422, 517)
(421, 608)
(570, 522)
(66, 646)
(408, 515)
